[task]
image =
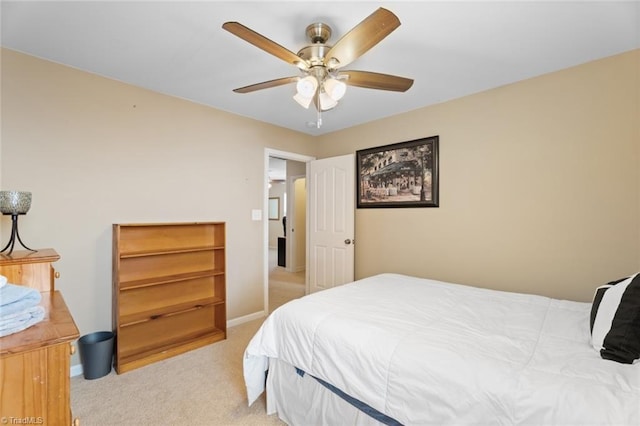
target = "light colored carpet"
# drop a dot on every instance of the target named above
(201, 387)
(283, 285)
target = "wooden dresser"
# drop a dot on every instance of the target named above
(34, 363)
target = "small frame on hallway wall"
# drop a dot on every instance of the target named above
(403, 174)
(274, 208)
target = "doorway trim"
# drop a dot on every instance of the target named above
(285, 155)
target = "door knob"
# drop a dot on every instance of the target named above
(347, 241)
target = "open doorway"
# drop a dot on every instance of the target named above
(285, 235)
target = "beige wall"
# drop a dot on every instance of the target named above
(296, 199)
(539, 185)
(539, 180)
(300, 225)
(95, 152)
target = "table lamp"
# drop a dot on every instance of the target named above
(14, 203)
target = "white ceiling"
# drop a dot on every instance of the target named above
(451, 49)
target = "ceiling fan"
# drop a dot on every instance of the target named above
(322, 80)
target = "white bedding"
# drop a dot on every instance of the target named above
(428, 352)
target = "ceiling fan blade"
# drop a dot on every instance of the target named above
(374, 80)
(361, 38)
(264, 43)
(266, 84)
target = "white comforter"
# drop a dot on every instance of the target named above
(428, 352)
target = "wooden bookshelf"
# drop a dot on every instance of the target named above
(169, 290)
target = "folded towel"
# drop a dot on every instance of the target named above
(17, 298)
(19, 321)
(19, 316)
(3, 281)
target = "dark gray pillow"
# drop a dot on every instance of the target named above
(615, 320)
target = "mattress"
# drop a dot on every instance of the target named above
(429, 352)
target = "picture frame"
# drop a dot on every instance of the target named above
(274, 208)
(403, 174)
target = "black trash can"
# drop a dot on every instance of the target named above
(96, 354)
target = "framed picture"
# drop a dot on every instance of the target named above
(274, 208)
(403, 174)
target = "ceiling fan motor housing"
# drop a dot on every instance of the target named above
(314, 54)
(318, 32)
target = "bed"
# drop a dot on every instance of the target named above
(395, 349)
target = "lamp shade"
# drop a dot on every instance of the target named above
(304, 102)
(334, 88)
(326, 102)
(307, 86)
(15, 202)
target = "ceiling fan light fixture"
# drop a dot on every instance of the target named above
(326, 102)
(334, 88)
(303, 101)
(307, 86)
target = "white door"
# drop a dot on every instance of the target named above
(331, 201)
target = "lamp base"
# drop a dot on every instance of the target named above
(14, 234)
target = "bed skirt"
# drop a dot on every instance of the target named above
(301, 400)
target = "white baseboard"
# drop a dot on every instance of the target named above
(75, 370)
(246, 318)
